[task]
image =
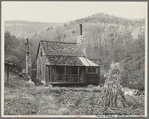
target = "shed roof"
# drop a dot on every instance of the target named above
(62, 48)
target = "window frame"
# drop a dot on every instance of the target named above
(92, 72)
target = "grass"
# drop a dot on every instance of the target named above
(22, 98)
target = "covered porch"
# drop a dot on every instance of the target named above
(65, 74)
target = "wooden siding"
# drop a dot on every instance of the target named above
(47, 74)
(93, 78)
(41, 64)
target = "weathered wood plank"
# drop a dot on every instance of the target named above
(47, 74)
(50, 74)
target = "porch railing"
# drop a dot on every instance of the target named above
(68, 78)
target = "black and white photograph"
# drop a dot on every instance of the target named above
(74, 59)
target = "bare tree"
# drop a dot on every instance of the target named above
(60, 33)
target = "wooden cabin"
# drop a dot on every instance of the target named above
(65, 63)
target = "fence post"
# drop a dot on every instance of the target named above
(7, 74)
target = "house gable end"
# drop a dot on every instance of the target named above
(44, 55)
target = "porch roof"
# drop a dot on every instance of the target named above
(70, 61)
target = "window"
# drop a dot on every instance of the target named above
(60, 72)
(68, 70)
(74, 70)
(92, 70)
(60, 69)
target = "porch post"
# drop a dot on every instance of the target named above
(65, 74)
(55, 79)
(50, 75)
(99, 73)
(78, 74)
(86, 69)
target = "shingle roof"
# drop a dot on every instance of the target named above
(62, 48)
(64, 60)
(63, 53)
(70, 61)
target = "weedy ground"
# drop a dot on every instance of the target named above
(23, 98)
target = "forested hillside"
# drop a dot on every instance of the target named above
(26, 29)
(107, 37)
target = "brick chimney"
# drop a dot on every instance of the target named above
(81, 40)
(80, 29)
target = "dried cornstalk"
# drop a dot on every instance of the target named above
(112, 95)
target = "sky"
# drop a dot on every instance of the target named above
(68, 11)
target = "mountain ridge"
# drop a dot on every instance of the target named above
(24, 28)
(28, 22)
